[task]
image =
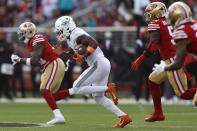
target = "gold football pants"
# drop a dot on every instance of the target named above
(52, 76)
(177, 78)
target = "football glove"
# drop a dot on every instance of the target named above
(138, 62)
(15, 59)
(158, 68)
(78, 57)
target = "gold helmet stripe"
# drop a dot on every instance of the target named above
(185, 9)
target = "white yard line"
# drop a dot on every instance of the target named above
(89, 101)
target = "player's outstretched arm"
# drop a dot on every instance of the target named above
(68, 55)
(60, 51)
(181, 52)
(152, 47)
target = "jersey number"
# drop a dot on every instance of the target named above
(170, 29)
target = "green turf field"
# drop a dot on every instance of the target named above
(92, 117)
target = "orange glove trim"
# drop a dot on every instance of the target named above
(78, 57)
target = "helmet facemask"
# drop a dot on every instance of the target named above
(59, 34)
(21, 35)
(147, 16)
(26, 31)
(63, 27)
(155, 11)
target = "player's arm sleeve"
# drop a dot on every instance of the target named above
(153, 43)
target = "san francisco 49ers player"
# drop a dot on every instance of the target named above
(185, 36)
(161, 39)
(95, 78)
(52, 66)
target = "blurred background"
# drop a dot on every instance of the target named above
(118, 26)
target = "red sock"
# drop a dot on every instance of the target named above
(156, 96)
(189, 94)
(50, 100)
(61, 95)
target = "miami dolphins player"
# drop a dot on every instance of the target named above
(95, 78)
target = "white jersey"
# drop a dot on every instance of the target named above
(73, 44)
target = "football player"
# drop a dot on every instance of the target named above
(53, 67)
(161, 39)
(95, 78)
(185, 36)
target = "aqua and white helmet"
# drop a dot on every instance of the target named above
(63, 27)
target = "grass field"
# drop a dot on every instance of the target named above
(92, 117)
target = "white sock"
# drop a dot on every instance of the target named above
(109, 105)
(57, 113)
(91, 89)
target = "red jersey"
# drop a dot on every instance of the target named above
(166, 44)
(47, 54)
(187, 32)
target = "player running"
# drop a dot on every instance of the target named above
(161, 39)
(95, 78)
(185, 36)
(52, 66)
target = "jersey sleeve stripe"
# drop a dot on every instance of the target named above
(38, 39)
(179, 35)
(153, 27)
(153, 24)
(34, 43)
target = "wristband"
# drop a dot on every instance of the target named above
(28, 61)
(90, 49)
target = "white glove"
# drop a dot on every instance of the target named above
(158, 68)
(15, 59)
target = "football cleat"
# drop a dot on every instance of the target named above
(155, 117)
(56, 120)
(112, 92)
(124, 120)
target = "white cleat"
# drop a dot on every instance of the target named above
(56, 120)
